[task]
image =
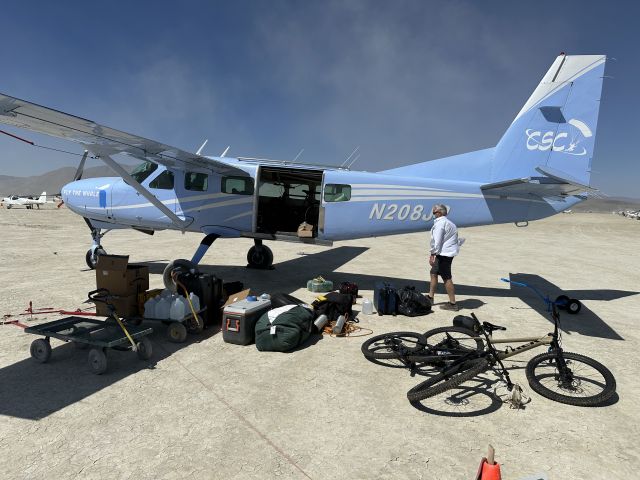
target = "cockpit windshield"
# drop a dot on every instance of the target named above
(142, 171)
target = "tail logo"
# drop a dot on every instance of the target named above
(562, 141)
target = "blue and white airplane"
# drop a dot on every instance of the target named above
(540, 167)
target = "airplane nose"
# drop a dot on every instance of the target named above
(85, 196)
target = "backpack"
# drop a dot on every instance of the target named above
(349, 288)
(412, 303)
(333, 305)
(287, 331)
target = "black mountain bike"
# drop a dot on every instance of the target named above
(558, 375)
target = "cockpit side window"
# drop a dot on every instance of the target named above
(196, 181)
(237, 185)
(142, 171)
(164, 181)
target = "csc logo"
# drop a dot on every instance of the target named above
(560, 142)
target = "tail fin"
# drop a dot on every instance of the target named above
(555, 130)
(43, 197)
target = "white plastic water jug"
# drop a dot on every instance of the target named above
(162, 308)
(176, 312)
(150, 307)
(195, 302)
(367, 306)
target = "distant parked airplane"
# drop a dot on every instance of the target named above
(24, 201)
(540, 167)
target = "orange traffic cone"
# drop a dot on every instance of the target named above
(488, 469)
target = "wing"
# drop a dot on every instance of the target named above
(553, 184)
(105, 140)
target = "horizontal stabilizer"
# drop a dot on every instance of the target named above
(552, 185)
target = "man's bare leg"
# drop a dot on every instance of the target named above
(448, 285)
(433, 285)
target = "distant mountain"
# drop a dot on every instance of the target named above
(50, 182)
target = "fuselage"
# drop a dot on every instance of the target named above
(342, 204)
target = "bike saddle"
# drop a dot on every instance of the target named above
(490, 327)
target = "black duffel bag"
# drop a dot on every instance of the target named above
(412, 303)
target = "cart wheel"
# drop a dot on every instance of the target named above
(574, 306)
(195, 326)
(41, 350)
(97, 361)
(80, 345)
(562, 301)
(177, 332)
(145, 349)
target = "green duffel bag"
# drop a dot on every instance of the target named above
(286, 332)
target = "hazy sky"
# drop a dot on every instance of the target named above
(406, 81)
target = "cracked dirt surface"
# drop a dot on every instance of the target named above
(208, 409)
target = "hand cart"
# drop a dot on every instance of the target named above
(100, 335)
(571, 305)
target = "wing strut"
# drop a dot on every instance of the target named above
(177, 221)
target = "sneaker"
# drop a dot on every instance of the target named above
(430, 298)
(450, 306)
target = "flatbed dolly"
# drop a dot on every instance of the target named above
(99, 335)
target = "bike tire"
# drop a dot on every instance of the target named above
(448, 343)
(385, 346)
(599, 391)
(449, 378)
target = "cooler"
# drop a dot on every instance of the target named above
(239, 320)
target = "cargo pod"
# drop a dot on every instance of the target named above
(287, 197)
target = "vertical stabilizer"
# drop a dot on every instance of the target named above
(556, 128)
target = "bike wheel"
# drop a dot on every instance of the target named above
(449, 343)
(449, 378)
(586, 383)
(393, 345)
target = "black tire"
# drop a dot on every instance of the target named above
(562, 301)
(449, 343)
(393, 345)
(260, 256)
(41, 350)
(181, 264)
(144, 349)
(177, 332)
(92, 257)
(449, 378)
(591, 383)
(97, 361)
(574, 306)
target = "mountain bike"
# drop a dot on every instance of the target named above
(561, 376)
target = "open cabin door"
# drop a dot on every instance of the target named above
(286, 198)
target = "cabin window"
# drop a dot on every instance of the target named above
(164, 181)
(337, 193)
(237, 185)
(142, 171)
(196, 181)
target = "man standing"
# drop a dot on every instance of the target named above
(444, 246)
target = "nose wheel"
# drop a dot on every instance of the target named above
(92, 256)
(260, 256)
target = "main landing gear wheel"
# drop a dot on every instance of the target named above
(178, 264)
(92, 257)
(260, 256)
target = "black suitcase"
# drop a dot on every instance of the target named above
(209, 290)
(385, 299)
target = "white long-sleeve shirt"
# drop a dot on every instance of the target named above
(444, 238)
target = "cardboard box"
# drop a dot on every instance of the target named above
(114, 273)
(126, 306)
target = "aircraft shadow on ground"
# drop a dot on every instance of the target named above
(33, 390)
